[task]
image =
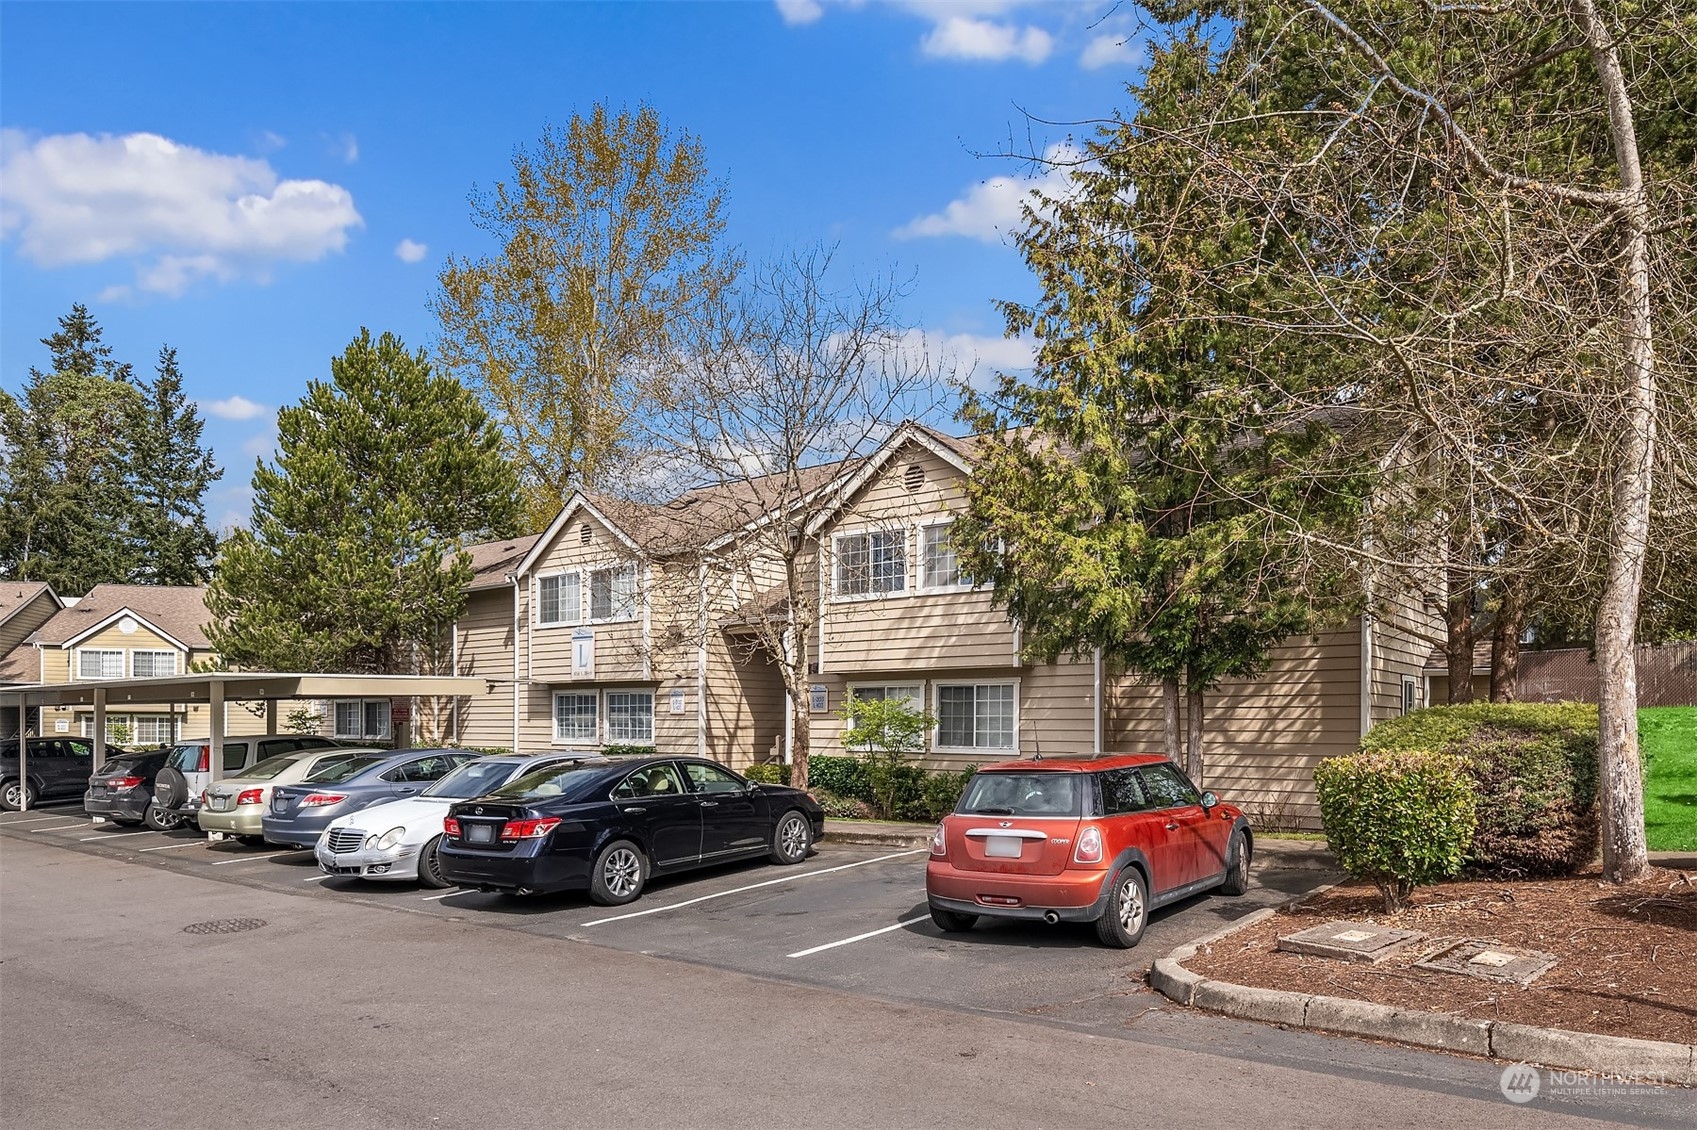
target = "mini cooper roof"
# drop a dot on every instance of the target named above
(1075, 764)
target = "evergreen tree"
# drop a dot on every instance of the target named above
(352, 561)
(170, 472)
(78, 348)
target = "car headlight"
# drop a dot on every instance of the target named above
(388, 839)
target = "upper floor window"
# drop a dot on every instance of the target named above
(559, 599)
(872, 562)
(939, 567)
(612, 593)
(153, 664)
(95, 663)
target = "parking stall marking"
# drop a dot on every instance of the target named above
(314, 878)
(114, 836)
(35, 820)
(752, 886)
(62, 827)
(184, 844)
(863, 937)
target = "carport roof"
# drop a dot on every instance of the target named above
(246, 685)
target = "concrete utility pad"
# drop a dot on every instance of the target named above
(1489, 961)
(1349, 941)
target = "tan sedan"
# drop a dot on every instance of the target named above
(236, 805)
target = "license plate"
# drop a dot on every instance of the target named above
(98, 790)
(281, 804)
(479, 834)
(1003, 847)
(218, 803)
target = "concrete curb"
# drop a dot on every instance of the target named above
(1490, 1039)
(875, 835)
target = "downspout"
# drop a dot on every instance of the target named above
(701, 667)
(454, 669)
(1366, 672)
(1096, 706)
(513, 578)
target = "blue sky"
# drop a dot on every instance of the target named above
(252, 183)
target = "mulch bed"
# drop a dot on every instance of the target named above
(1626, 957)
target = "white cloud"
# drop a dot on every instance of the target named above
(959, 37)
(270, 141)
(981, 353)
(992, 208)
(411, 251)
(1111, 49)
(234, 408)
(346, 146)
(262, 445)
(796, 12)
(180, 214)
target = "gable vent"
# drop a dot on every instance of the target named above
(914, 478)
(584, 534)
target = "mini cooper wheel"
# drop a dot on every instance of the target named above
(160, 820)
(791, 838)
(430, 865)
(1237, 866)
(16, 796)
(952, 921)
(1127, 913)
(620, 872)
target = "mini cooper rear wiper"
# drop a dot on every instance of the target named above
(992, 812)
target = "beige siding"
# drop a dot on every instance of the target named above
(621, 646)
(25, 620)
(59, 665)
(1402, 638)
(483, 647)
(746, 703)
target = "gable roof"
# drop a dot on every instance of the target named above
(177, 612)
(491, 561)
(955, 451)
(15, 596)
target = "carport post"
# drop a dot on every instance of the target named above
(271, 716)
(99, 728)
(215, 744)
(23, 753)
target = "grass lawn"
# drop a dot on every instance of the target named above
(1667, 737)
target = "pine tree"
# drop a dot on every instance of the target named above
(78, 348)
(352, 562)
(170, 472)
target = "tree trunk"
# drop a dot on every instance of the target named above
(1621, 788)
(1505, 641)
(1458, 643)
(1169, 719)
(801, 735)
(1193, 736)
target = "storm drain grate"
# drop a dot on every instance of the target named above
(224, 926)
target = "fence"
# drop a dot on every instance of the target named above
(1667, 675)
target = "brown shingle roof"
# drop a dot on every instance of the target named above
(23, 665)
(179, 611)
(1438, 662)
(491, 561)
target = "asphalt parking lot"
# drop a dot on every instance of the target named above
(850, 917)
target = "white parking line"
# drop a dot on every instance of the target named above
(863, 937)
(114, 836)
(314, 878)
(33, 820)
(253, 858)
(433, 898)
(184, 844)
(753, 886)
(62, 827)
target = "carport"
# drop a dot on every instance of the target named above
(215, 689)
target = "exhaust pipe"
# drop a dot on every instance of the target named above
(1051, 917)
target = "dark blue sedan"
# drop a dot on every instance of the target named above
(299, 813)
(606, 827)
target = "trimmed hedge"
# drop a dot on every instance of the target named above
(883, 789)
(1399, 819)
(768, 773)
(1535, 768)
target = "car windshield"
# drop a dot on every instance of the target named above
(1023, 794)
(271, 767)
(342, 769)
(474, 779)
(569, 781)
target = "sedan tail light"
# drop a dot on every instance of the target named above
(319, 800)
(251, 796)
(450, 827)
(939, 842)
(529, 829)
(122, 782)
(1089, 848)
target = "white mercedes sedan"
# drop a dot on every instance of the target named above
(398, 839)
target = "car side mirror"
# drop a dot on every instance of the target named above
(1209, 800)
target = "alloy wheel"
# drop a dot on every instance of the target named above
(622, 872)
(792, 837)
(1131, 906)
(14, 796)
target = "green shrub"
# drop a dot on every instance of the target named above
(617, 750)
(842, 807)
(1535, 768)
(941, 792)
(842, 776)
(768, 773)
(1398, 819)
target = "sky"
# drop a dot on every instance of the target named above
(253, 183)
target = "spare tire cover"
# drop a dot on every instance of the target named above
(170, 788)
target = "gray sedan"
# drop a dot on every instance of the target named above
(298, 814)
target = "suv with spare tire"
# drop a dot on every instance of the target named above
(188, 771)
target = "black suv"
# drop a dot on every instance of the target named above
(122, 791)
(58, 767)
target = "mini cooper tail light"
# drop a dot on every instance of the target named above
(123, 782)
(529, 829)
(319, 800)
(1089, 848)
(939, 842)
(450, 827)
(251, 796)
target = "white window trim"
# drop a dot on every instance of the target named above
(636, 594)
(176, 660)
(960, 585)
(1409, 697)
(384, 734)
(918, 684)
(600, 718)
(937, 686)
(76, 663)
(536, 620)
(909, 588)
(606, 718)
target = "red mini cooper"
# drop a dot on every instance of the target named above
(1103, 840)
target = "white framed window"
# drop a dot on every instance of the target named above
(630, 717)
(362, 718)
(100, 663)
(132, 729)
(1410, 695)
(973, 716)
(152, 664)
(939, 568)
(914, 693)
(612, 593)
(870, 563)
(575, 718)
(559, 599)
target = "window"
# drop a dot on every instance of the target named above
(939, 568)
(97, 664)
(1047, 793)
(612, 593)
(704, 778)
(630, 717)
(423, 771)
(1410, 696)
(1168, 788)
(153, 664)
(131, 729)
(975, 717)
(650, 780)
(910, 691)
(574, 718)
(1122, 791)
(871, 563)
(362, 718)
(559, 599)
